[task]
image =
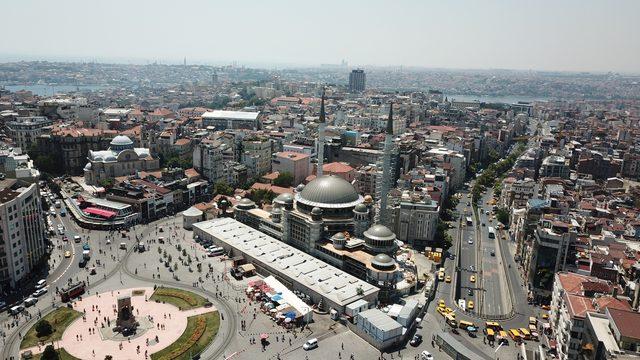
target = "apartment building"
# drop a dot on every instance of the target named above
(574, 296)
(25, 129)
(23, 245)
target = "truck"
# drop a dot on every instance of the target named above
(73, 291)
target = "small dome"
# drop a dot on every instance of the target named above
(339, 236)
(286, 198)
(316, 211)
(121, 140)
(383, 259)
(368, 199)
(97, 158)
(245, 203)
(88, 166)
(299, 188)
(380, 232)
(276, 210)
(383, 262)
(110, 158)
(361, 208)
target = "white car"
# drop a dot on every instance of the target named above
(470, 242)
(41, 283)
(426, 355)
(30, 301)
(310, 344)
(39, 292)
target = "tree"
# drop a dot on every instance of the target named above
(223, 188)
(106, 183)
(43, 328)
(502, 215)
(261, 196)
(284, 179)
(49, 353)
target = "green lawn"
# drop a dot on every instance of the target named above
(183, 299)
(178, 351)
(64, 355)
(59, 319)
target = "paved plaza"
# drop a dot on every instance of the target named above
(90, 337)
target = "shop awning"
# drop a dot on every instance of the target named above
(100, 212)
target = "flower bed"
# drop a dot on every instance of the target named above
(182, 299)
(200, 331)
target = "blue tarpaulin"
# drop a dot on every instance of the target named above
(290, 314)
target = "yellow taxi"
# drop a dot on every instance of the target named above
(441, 303)
(545, 316)
(472, 278)
(67, 254)
(470, 304)
(447, 279)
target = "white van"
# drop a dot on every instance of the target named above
(310, 344)
(16, 310)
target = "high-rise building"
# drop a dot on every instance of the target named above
(207, 160)
(23, 245)
(256, 155)
(357, 80)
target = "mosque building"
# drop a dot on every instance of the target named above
(122, 158)
(328, 219)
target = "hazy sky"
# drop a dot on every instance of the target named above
(577, 35)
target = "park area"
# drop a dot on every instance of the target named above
(57, 320)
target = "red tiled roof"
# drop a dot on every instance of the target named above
(276, 189)
(337, 167)
(626, 322)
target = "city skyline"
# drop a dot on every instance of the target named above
(466, 35)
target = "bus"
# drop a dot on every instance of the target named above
(72, 291)
(492, 233)
(515, 335)
(469, 221)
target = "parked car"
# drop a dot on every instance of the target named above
(39, 292)
(30, 301)
(67, 254)
(416, 340)
(41, 283)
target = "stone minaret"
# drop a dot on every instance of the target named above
(321, 127)
(386, 167)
